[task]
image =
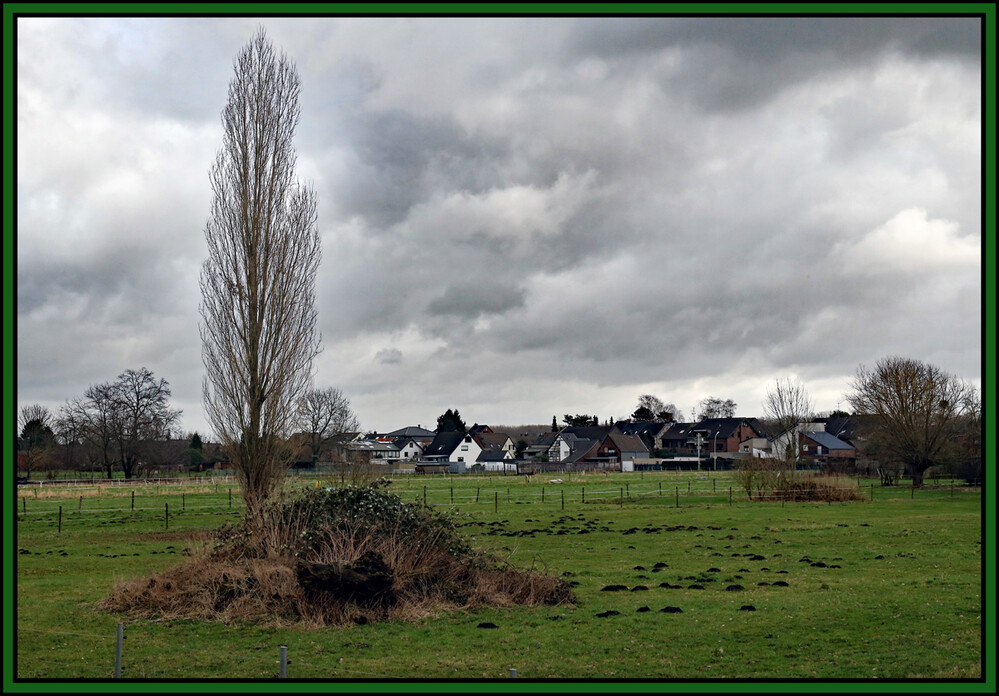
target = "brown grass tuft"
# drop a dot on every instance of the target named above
(304, 567)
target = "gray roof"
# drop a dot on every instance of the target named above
(491, 455)
(411, 431)
(444, 444)
(827, 440)
(580, 449)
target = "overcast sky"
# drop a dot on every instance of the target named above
(521, 217)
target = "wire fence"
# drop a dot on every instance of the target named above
(286, 660)
(554, 494)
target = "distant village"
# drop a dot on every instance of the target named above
(625, 445)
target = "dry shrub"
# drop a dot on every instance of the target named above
(818, 487)
(330, 557)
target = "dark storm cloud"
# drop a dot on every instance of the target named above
(737, 63)
(471, 300)
(769, 39)
(601, 205)
(402, 159)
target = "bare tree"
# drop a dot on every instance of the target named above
(917, 411)
(120, 422)
(786, 406)
(258, 327)
(142, 418)
(651, 407)
(713, 407)
(93, 420)
(324, 413)
(37, 437)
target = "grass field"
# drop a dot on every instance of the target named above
(882, 589)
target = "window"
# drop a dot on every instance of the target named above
(464, 448)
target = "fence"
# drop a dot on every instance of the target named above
(283, 660)
(554, 493)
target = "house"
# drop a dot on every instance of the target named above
(370, 450)
(676, 438)
(454, 446)
(756, 447)
(613, 448)
(491, 440)
(496, 460)
(410, 447)
(650, 433)
(537, 447)
(725, 434)
(820, 447)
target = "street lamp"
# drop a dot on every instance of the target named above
(698, 440)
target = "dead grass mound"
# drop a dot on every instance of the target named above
(818, 488)
(328, 558)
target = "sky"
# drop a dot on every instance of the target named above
(520, 217)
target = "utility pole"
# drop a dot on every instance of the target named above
(698, 440)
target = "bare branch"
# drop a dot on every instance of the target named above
(258, 311)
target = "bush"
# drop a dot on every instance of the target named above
(773, 480)
(329, 557)
(812, 488)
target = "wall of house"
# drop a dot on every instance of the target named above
(468, 451)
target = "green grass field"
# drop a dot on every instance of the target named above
(882, 589)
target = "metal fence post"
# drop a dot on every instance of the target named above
(117, 650)
(513, 674)
(60, 519)
(166, 515)
(284, 661)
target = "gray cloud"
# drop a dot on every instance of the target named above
(579, 209)
(389, 356)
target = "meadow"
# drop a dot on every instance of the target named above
(677, 576)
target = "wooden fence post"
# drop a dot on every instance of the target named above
(117, 651)
(133, 501)
(166, 515)
(495, 501)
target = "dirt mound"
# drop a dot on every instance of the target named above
(332, 558)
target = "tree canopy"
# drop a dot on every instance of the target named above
(917, 409)
(450, 421)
